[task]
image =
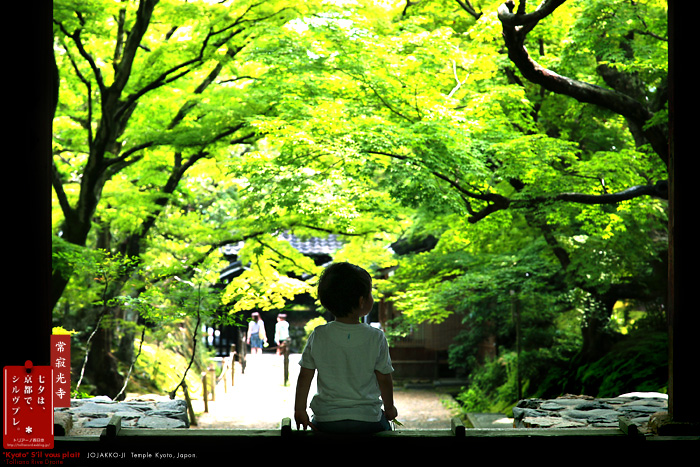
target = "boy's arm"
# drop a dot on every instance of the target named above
(386, 387)
(301, 417)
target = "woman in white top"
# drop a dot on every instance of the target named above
(256, 333)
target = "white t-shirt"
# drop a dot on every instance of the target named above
(345, 357)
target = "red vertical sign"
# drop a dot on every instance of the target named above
(28, 407)
(60, 361)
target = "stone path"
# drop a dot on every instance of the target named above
(259, 399)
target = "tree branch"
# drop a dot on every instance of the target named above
(496, 202)
(467, 6)
(131, 46)
(658, 190)
(57, 183)
(515, 29)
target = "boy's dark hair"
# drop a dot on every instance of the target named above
(340, 287)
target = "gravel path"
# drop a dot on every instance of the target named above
(259, 400)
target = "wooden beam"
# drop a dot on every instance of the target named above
(683, 317)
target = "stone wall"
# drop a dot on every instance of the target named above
(588, 412)
(88, 416)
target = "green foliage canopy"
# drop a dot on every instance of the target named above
(183, 127)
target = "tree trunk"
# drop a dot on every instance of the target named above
(125, 349)
(596, 340)
(98, 168)
(102, 368)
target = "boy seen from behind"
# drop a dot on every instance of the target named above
(350, 358)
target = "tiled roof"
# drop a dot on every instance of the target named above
(313, 245)
(309, 246)
(306, 245)
(232, 249)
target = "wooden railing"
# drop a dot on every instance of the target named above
(114, 432)
(410, 447)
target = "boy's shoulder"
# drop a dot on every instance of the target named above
(335, 326)
(373, 329)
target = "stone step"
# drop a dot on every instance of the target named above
(95, 414)
(584, 412)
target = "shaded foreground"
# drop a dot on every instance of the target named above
(251, 421)
(193, 447)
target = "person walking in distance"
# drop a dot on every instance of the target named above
(281, 332)
(256, 334)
